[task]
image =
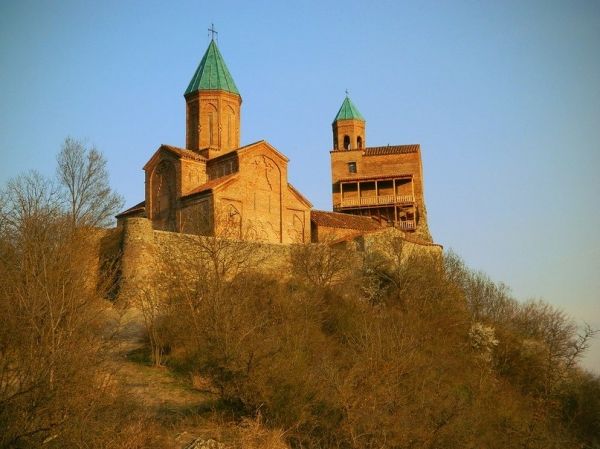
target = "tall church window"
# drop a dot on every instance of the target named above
(229, 139)
(351, 167)
(346, 142)
(193, 124)
(211, 124)
(359, 142)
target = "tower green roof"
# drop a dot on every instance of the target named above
(348, 112)
(212, 73)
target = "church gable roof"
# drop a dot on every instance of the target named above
(179, 153)
(348, 111)
(212, 73)
(263, 144)
(211, 185)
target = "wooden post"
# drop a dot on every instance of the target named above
(341, 194)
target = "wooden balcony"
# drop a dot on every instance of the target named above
(375, 201)
(408, 225)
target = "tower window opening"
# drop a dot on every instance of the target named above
(346, 142)
(359, 143)
(351, 167)
(229, 126)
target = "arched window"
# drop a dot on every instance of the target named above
(359, 142)
(346, 142)
(211, 127)
(230, 127)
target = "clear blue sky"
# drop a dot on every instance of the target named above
(504, 98)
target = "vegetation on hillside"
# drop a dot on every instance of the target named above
(348, 350)
(402, 352)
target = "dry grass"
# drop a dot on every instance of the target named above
(181, 409)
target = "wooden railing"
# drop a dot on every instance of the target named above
(376, 200)
(406, 225)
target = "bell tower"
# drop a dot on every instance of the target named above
(213, 106)
(348, 127)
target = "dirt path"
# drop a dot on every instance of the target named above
(155, 387)
(169, 398)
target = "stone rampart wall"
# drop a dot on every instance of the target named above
(150, 258)
(142, 259)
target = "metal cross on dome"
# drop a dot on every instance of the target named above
(213, 31)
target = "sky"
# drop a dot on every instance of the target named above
(503, 97)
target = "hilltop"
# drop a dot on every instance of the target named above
(352, 347)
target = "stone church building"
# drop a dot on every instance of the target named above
(214, 186)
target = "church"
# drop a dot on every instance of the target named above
(214, 186)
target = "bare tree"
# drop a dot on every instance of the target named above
(50, 316)
(223, 248)
(153, 307)
(26, 197)
(82, 173)
(320, 264)
(56, 375)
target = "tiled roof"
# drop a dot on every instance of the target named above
(345, 221)
(391, 149)
(139, 207)
(182, 152)
(212, 73)
(210, 185)
(348, 111)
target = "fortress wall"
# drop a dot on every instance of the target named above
(107, 245)
(138, 256)
(326, 234)
(149, 260)
(188, 253)
(382, 241)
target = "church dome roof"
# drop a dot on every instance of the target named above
(348, 111)
(212, 73)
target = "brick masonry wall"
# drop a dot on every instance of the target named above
(392, 165)
(351, 128)
(213, 120)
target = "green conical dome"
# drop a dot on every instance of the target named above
(212, 73)
(348, 112)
